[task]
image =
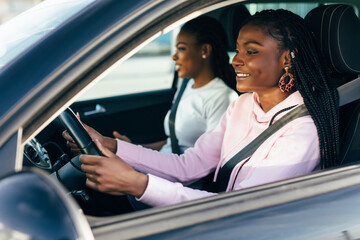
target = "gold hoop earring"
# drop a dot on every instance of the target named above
(286, 86)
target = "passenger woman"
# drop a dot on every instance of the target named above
(201, 55)
(279, 67)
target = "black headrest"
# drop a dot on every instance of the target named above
(231, 18)
(337, 30)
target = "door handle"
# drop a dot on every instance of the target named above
(98, 109)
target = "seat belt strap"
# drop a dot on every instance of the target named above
(174, 141)
(224, 173)
(349, 92)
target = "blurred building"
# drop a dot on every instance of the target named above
(11, 8)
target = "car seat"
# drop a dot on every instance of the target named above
(337, 31)
(231, 18)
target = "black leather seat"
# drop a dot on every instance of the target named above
(231, 18)
(337, 30)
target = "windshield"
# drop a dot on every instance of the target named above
(24, 30)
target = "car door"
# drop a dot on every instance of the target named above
(139, 116)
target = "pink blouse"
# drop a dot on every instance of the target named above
(291, 151)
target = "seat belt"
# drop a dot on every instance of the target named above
(174, 141)
(348, 92)
(224, 173)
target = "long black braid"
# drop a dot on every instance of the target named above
(207, 30)
(310, 73)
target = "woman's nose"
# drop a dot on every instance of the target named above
(174, 57)
(237, 60)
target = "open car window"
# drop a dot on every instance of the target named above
(150, 69)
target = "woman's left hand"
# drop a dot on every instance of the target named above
(111, 174)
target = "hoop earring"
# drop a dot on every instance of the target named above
(286, 86)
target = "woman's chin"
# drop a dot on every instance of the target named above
(180, 75)
(241, 88)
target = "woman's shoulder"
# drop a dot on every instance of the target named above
(219, 83)
(218, 87)
(245, 100)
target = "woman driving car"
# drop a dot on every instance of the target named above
(278, 68)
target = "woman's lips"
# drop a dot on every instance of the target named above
(242, 76)
(177, 67)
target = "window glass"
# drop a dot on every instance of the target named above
(19, 33)
(151, 68)
(299, 8)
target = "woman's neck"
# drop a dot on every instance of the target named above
(270, 99)
(202, 80)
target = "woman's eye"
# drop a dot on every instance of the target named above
(181, 48)
(251, 52)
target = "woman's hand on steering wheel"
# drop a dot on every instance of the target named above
(105, 141)
(121, 137)
(110, 174)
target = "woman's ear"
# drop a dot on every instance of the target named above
(286, 57)
(206, 50)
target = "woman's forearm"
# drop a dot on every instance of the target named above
(156, 145)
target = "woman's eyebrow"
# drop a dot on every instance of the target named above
(253, 42)
(181, 43)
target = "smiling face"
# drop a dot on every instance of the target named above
(258, 63)
(188, 56)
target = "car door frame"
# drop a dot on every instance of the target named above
(200, 217)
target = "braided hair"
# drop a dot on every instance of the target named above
(310, 73)
(207, 30)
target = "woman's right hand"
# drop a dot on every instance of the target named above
(111, 174)
(105, 141)
(121, 137)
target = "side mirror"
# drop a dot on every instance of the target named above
(34, 206)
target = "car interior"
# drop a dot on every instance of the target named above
(337, 29)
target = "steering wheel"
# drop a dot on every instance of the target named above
(70, 175)
(77, 131)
